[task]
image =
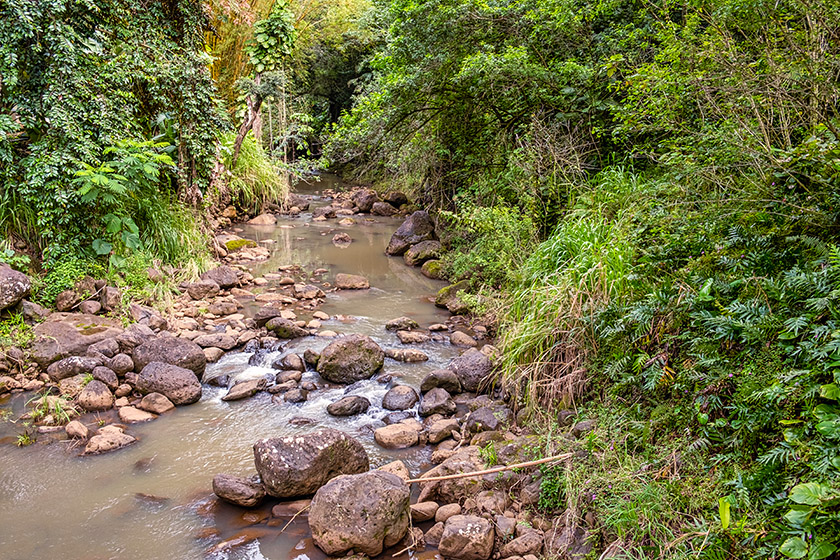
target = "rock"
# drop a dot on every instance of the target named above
(179, 385)
(291, 508)
(462, 339)
(203, 290)
(491, 501)
(348, 406)
(383, 209)
(396, 436)
(265, 314)
(398, 468)
(466, 459)
(245, 389)
(341, 239)
(74, 365)
(442, 429)
(297, 200)
(216, 340)
(488, 418)
(76, 430)
(422, 252)
(308, 291)
(447, 298)
(401, 324)
(529, 543)
(107, 348)
(437, 401)
(505, 527)
(473, 370)
(582, 428)
(408, 355)
(416, 228)
(350, 359)
(238, 491)
(351, 282)
(110, 298)
(395, 198)
(466, 537)
(285, 328)
(364, 199)
(445, 512)
(14, 286)
(432, 269)
(69, 334)
(290, 362)
(90, 307)
(225, 276)
(443, 378)
(67, 300)
(365, 512)
(296, 395)
(412, 337)
(324, 212)
(400, 397)
(424, 511)
(572, 542)
(221, 308)
(121, 364)
(32, 312)
(95, 397)
(170, 350)
(297, 466)
(213, 355)
(433, 535)
(147, 316)
(108, 439)
(263, 220)
(288, 375)
(123, 390)
(131, 415)
(155, 403)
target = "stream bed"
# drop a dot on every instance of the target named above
(151, 500)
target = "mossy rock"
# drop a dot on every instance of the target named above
(432, 269)
(236, 244)
(448, 297)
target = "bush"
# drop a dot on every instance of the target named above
(256, 179)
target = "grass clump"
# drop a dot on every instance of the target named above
(255, 179)
(236, 244)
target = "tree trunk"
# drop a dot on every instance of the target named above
(253, 102)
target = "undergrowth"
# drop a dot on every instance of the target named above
(256, 179)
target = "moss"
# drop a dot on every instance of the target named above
(236, 244)
(432, 269)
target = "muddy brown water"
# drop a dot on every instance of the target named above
(151, 500)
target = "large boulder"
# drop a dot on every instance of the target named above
(396, 436)
(489, 419)
(400, 397)
(284, 328)
(179, 385)
(437, 401)
(70, 334)
(467, 537)
(473, 369)
(95, 397)
(170, 350)
(225, 276)
(350, 359)
(348, 406)
(364, 512)
(416, 228)
(443, 378)
(465, 460)
(364, 199)
(422, 252)
(14, 286)
(296, 466)
(448, 299)
(239, 491)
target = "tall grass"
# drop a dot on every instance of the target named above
(548, 319)
(256, 179)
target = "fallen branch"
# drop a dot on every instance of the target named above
(496, 470)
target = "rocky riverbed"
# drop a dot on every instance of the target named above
(306, 359)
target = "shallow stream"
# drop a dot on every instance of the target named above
(151, 500)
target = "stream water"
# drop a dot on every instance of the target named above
(151, 500)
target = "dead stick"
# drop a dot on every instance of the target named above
(286, 526)
(491, 471)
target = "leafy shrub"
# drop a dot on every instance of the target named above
(255, 179)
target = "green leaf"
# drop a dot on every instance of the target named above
(132, 240)
(113, 223)
(794, 547)
(821, 550)
(830, 391)
(101, 246)
(723, 510)
(810, 493)
(130, 225)
(798, 515)
(829, 428)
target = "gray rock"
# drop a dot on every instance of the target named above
(365, 198)
(350, 359)
(285, 328)
(364, 512)
(467, 537)
(265, 314)
(447, 298)
(296, 395)
(106, 376)
(396, 436)
(437, 401)
(351, 282)
(400, 397)
(225, 276)
(409, 355)
(296, 466)
(203, 289)
(395, 198)
(109, 438)
(238, 491)
(121, 364)
(245, 389)
(179, 385)
(170, 350)
(290, 362)
(348, 406)
(529, 543)
(422, 252)
(416, 228)
(488, 418)
(443, 378)
(473, 370)
(216, 340)
(155, 403)
(401, 324)
(383, 209)
(70, 334)
(95, 397)
(74, 365)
